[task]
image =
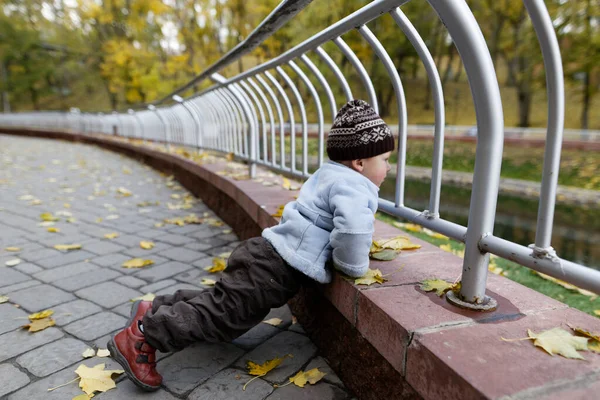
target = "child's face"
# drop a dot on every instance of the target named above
(376, 168)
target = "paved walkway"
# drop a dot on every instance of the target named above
(89, 291)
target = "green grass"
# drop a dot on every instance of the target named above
(519, 274)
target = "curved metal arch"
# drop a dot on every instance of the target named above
(221, 135)
(261, 111)
(275, 101)
(234, 119)
(290, 111)
(360, 69)
(229, 120)
(336, 71)
(200, 115)
(313, 68)
(241, 143)
(271, 118)
(253, 133)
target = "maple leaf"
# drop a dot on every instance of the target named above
(311, 376)
(219, 264)
(12, 249)
(13, 262)
(146, 297)
(568, 285)
(4, 299)
(112, 235)
(48, 217)
(372, 276)
(82, 396)
(397, 243)
(594, 339)
(137, 263)
(385, 255)
(208, 282)
(273, 321)
(67, 247)
(146, 245)
(439, 285)
(259, 370)
(53, 230)
(40, 315)
(88, 353)
(96, 379)
(558, 341)
(40, 324)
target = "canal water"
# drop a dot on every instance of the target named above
(575, 236)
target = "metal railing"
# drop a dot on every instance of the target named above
(260, 116)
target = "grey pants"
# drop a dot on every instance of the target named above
(256, 279)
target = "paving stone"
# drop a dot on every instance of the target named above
(203, 263)
(256, 336)
(128, 240)
(158, 261)
(156, 286)
(64, 259)
(130, 281)
(319, 390)
(11, 276)
(150, 233)
(197, 246)
(40, 297)
(110, 259)
(283, 313)
(284, 343)
(20, 341)
(155, 273)
(52, 357)
(95, 326)
(176, 240)
(137, 251)
(185, 370)
(321, 363)
(74, 310)
(108, 294)
(123, 309)
(215, 251)
(127, 390)
(11, 379)
(55, 274)
(28, 268)
(179, 286)
(80, 281)
(11, 318)
(182, 254)
(40, 254)
(228, 384)
(297, 328)
(104, 247)
(214, 242)
(19, 286)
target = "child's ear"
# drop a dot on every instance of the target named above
(358, 165)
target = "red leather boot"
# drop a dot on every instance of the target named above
(135, 355)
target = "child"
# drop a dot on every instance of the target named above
(332, 218)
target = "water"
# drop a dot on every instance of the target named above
(575, 236)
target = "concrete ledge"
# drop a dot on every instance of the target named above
(394, 341)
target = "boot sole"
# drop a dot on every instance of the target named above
(118, 357)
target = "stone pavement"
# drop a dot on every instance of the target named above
(94, 192)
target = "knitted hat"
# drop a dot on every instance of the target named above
(358, 132)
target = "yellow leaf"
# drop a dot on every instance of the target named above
(558, 341)
(409, 227)
(66, 205)
(568, 285)
(229, 157)
(67, 247)
(88, 353)
(146, 297)
(98, 220)
(96, 379)
(112, 235)
(40, 324)
(594, 341)
(385, 255)
(279, 212)
(439, 285)
(597, 312)
(137, 263)
(103, 353)
(13, 262)
(372, 276)
(111, 217)
(434, 235)
(53, 230)
(124, 192)
(286, 184)
(71, 220)
(208, 282)
(82, 396)
(40, 315)
(12, 249)
(262, 369)
(48, 217)
(397, 243)
(273, 321)
(146, 245)
(3, 299)
(159, 224)
(219, 264)
(312, 376)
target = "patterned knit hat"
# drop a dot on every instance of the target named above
(358, 132)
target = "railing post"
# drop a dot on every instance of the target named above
(153, 108)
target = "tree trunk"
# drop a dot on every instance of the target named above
(524, 96)
(448, 70)
(585, 107)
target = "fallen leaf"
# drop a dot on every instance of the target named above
(71, 220)
(40, 315)
(408, 227)
(13, 262)
(159, 224)
(137, 263)
(35, 202)
(259, 370)
(111, 217)
(558, 341)
(208, 282)
(175, 196)
(311, 376)
(98, 220)
(279, 212)
(112, 235)
(12, 249)
(123, 192)
(439, 285)
(67, 247)
(3, 299)
(594, 339)
(40, 324)
(434, 235)
(66, 205)
(568, 285)
(385, 255)
(48, 217)
(273, 321)
(597, 312)
(219, 264)
(146, 245)
(372, 276)
(103, 353)
(82, 396)
(46, 223)
(88, 353)
(96, 379)
(396, 243)
(53, 230)
(146, 297)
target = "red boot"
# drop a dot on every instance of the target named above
(135, 355)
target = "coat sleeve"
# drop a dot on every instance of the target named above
(353, 223)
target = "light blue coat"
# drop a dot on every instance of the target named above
(333, 217)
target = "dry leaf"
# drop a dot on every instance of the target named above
(568, 285)
(146, 245)
(40, 324)
(208, 282)
(273, 321)
(12, 249)
(594, 339)
(88, 353)
(279, 212)
(48, 217)
(124, 192)
(98, 220)
(112, 235)
(385, 255)
(96, 379)
(13, 262)
(597, 312)
(71, 220)
(559, 341)
(219, 264)
(146, 297)
(396, 243)
(3, 299)
(372, 276)
(439, 285)
(103, 353)
(434, 235)
(262, 369)
(409, 227)
(67, 247)
(82, 396)
(312, 376)
(137, 263)
(40, 315)
(53, 230)
(111, 217)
